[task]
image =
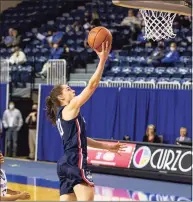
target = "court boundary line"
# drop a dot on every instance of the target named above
(27, 160)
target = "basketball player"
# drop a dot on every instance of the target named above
(63, 110)
(8, 194)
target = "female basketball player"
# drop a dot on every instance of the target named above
(8, 194)
(63, 110)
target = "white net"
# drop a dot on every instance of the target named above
(158, 25)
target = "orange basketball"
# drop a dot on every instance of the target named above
(97, 36)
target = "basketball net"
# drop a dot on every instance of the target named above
(158, 25)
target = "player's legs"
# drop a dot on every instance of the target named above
(68, 197)
(84, 192)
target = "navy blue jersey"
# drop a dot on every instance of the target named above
(74, 161)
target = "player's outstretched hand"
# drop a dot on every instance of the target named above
(106, 48)
(24, 195)
(117, 148)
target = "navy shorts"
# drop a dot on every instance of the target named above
(70, 176)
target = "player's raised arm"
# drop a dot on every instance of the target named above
(79, 100)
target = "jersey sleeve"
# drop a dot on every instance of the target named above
(59, 111)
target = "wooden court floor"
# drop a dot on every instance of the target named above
(36, 192)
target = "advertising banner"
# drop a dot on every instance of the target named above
(174, 160)
(106, 158)
(113, 194)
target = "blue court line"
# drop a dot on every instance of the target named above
(33, 181)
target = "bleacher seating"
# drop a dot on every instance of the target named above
(31, 17)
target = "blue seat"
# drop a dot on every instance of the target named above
(152, 79)
(137, 70)
(119, 78)
(109, 74)
(121, 74)
(165, 75)
(149, 70)
(130, 78)
(174, 79)
(124, 63)
(183, 70)
(108, 78)
(15, 76)
(163, 79)
(188, 76)
(123, 53)
(25, 76)
(114, 62)
(171, 70)
(160, 70)
(38, 66)
(127, 69)
(116, 69)
(140, 78)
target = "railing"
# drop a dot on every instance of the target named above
(187, 86)
(124, 84)
(77, 83)
(168, 85)
(103, 84)
(4, 71)
(56, 72)
(137, 84)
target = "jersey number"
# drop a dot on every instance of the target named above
(59, 126)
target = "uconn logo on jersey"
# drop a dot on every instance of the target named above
(59, 126)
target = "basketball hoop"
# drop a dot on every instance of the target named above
(158, 25)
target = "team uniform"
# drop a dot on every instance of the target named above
(3, 183)
(72, 167)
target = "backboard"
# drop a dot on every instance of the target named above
(182, 7)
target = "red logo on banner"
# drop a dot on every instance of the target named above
(106, 158)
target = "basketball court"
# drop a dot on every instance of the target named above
(40, 178)
(41, 181)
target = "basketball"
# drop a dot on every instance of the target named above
(97, 36)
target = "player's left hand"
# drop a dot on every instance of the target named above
(117, 148)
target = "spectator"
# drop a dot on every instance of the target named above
(56, 53)
(57, 37)
(18, 57)
(183, 139)
(172, 56)
(150, 135)
(46, 39)
(95, 22)
(16, 38)
(12, 122)
(157, 55)
(76, 26)
(31, 120)
(140, 37)
(126, 138)
(131, 19)
(8, 40)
